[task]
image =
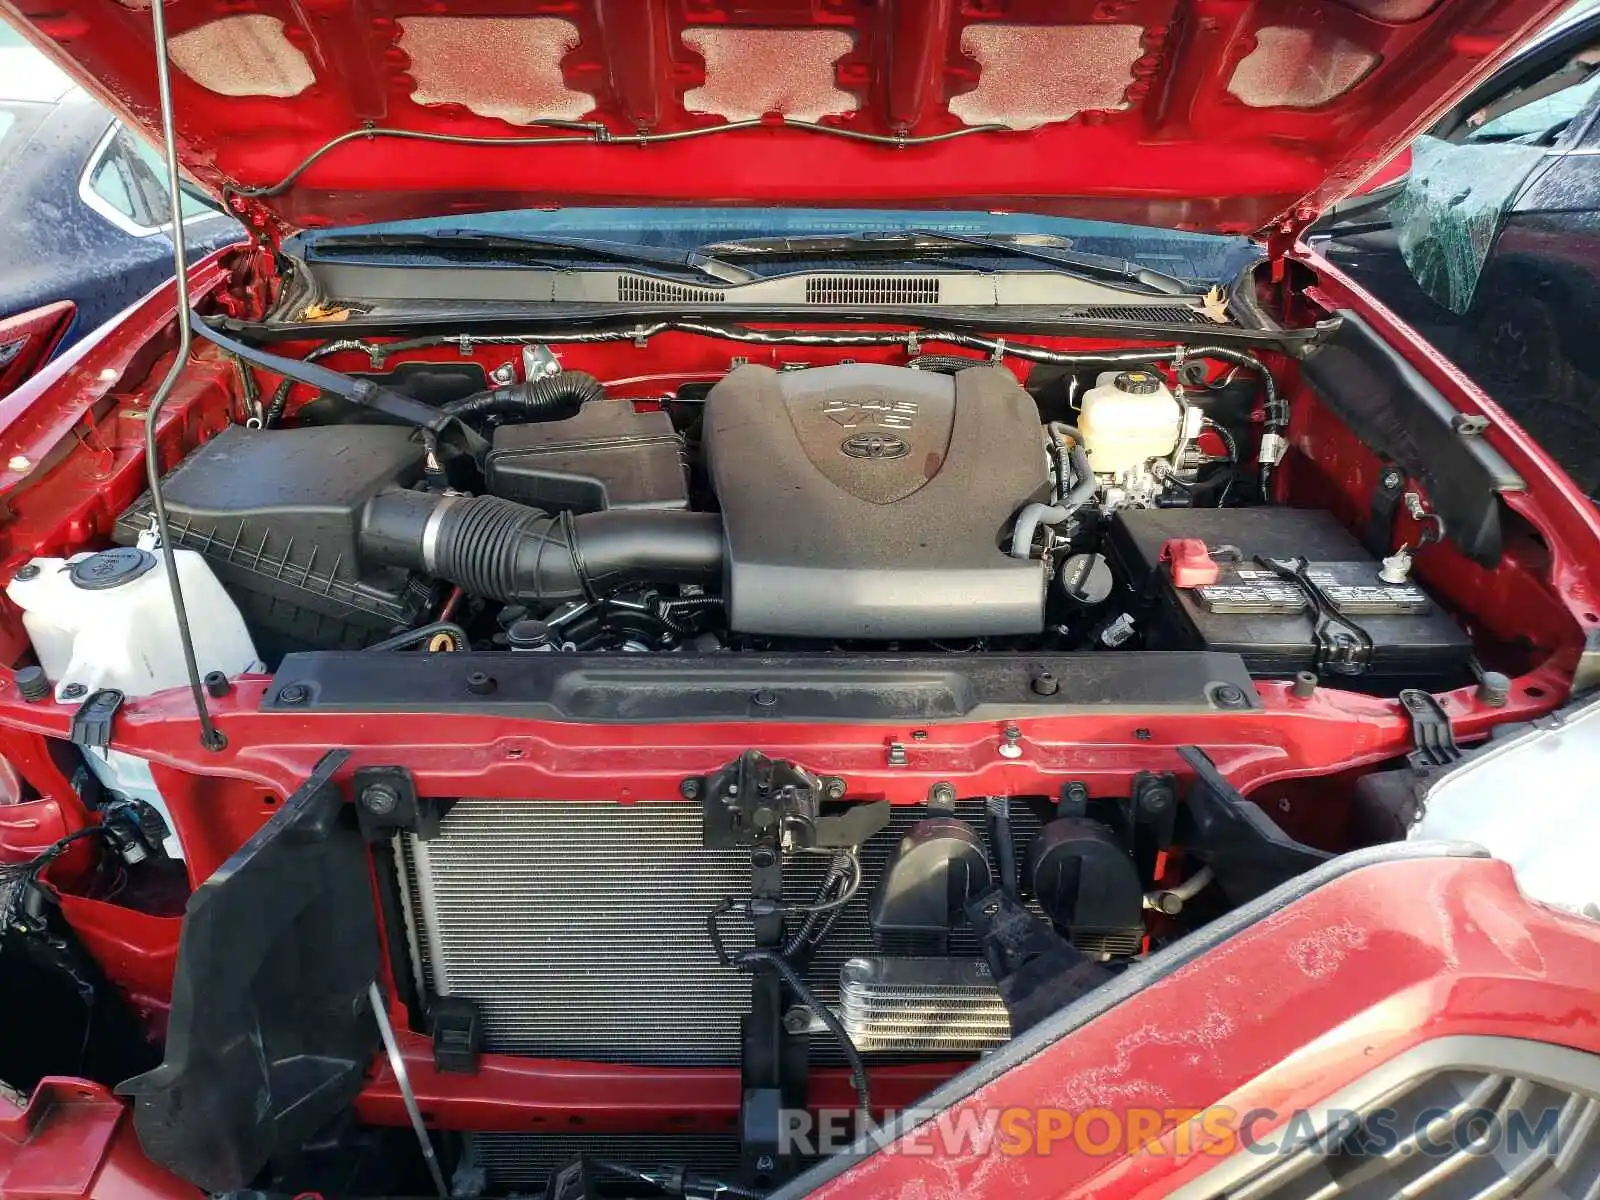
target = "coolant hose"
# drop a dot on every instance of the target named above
(520, 555)
(1071, 500)
(539, 400)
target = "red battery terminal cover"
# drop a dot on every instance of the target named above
(1190, 563)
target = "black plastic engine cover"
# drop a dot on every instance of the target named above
(868, 501)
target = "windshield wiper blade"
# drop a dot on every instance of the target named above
(921, 243)
(525, 247)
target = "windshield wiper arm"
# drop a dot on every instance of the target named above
(485, 244)
(921, 243)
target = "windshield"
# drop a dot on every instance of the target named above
(1186, 255)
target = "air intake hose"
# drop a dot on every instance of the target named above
(556, 395)
(520, 555)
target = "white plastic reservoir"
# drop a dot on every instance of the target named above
(1128, 418)
(105, 620)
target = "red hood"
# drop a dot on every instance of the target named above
(1224, 115)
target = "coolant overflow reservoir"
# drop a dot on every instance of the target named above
(105, 620)
(1128, 418)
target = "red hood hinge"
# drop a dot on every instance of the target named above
(1284, 233)
(252, 285)
(257, 219)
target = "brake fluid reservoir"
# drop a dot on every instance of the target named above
(1128, 418)
(105, 620)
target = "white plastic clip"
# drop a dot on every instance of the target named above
(999, 350)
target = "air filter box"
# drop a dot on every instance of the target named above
(606, 455)
(1271, 622)
(276, 513)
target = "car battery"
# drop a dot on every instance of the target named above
(1294, 591)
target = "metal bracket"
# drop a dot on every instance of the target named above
(1342, 646)
(387, 803)
(1382, 508)
(756, 800)
(91, 724)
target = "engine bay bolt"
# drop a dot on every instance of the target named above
(74, 691)
(689, 789)
(1011, 747)
(797, 1019)
(1155, 799)
(480, 683)
(1392, 479)
(1494, 689)
(379, 799)
(1044, 683)
(942, 795)
(766, 698)
(32, 684)
(1304, 686)
(27, 571)
(294, 693)
(835, 789)
(1074, 799)
(217, 685)
(897, 755)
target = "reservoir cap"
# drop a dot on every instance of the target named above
(111, 568)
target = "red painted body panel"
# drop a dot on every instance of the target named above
(73, 1139)
(1181, 135)
(1282, 1016)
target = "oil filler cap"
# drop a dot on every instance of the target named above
(111, 568)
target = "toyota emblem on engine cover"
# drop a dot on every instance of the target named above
(875, 445)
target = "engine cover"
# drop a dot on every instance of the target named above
(868, 501)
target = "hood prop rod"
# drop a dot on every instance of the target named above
(210, 736)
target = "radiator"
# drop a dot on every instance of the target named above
(579, 928)
(522, 1161)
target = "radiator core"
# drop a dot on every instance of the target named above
(579, 927)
